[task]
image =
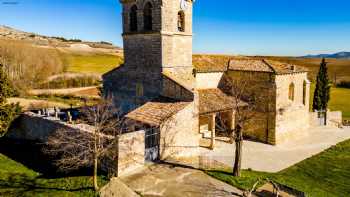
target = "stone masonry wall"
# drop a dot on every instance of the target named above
(179, 135)
(261, 126)
(173, 90)
(32, 127)
(334, 119)
(131, 146)
(292, 117)
(208, 80)
(131, 152)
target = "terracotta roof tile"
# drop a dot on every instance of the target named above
(284, 68)
(157, 111)
(214, 100)
(262, 65)
(250, 65)
(221, 63)
(210, 63)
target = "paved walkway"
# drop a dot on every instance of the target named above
(262, 157)
(167, 180)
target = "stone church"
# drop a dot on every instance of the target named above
(158, 87)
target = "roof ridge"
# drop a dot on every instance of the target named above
(270, 66)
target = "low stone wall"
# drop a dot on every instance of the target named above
(34, 127)
(131, 152)
(131, 146)
(291, 123)
(334, 119)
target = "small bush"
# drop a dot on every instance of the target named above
(75, 40)
(343, 84)
(107, 43)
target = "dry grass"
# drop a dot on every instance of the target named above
(28, 104)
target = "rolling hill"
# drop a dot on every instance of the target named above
(340, 55)
(74, 45)
(78, 56)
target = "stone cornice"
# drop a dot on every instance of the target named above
(157, 33)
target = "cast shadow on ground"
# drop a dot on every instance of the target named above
(30, 155)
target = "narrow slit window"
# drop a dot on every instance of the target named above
(291, 92)
(304, 93)
(181, 21)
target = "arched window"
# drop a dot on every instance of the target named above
(181, 21)
(291, 92)
(304, 93)
(147, 17)
(133, 18)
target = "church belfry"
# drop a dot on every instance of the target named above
(157, 43)
(157, 36)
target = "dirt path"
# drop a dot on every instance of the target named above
(91, 91)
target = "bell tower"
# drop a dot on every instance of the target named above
(157, 36)
(157, 39)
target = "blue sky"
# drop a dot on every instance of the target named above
(247, 27)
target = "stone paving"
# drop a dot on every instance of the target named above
(268, 158)
(167, 180)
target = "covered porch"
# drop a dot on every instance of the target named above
(216, 116)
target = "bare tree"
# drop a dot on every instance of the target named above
(246, 102)
(77, 148)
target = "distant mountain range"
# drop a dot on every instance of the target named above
(340, 55)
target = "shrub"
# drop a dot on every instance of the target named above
(8, 112)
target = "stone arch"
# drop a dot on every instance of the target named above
(147, 17)
(133, 18)
(181, 21)
(291, 91)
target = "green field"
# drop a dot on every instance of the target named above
(92, 63)
(325, 174)
(25, 171)
(340, 100)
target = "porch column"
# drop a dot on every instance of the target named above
(212, 129)
(231, 120)
(231, 124)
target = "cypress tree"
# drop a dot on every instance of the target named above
(322, 90)
(8, 112)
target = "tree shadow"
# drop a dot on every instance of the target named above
(20, 184)
(30, 154)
